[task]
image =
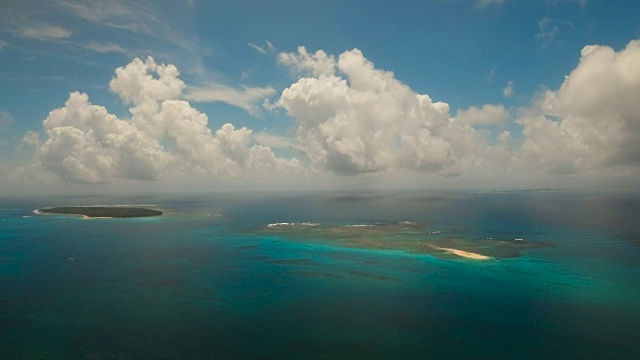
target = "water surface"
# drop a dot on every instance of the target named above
(210, 279)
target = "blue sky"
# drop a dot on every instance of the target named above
(512, 56)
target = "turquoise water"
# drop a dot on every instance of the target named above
(206, 281)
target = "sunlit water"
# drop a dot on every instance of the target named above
(211, 280)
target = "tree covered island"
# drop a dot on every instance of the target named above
(103, 211)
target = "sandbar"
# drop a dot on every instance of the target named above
(103, 211)
(464, 254)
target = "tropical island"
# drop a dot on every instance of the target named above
(408, 236)
(103, 211)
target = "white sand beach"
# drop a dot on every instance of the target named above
(464, 254)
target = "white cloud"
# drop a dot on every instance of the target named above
(32, 139)
(549, 31)
(581, 3)
(508, 90)
(6, 120)
(3, 44)
(258, 48)
(593, 121)
(144, 82)
(247, 98)
(265, 49)
(361, 119)
(165, 136)
(368, 121)
(271, 140)
(488, 114)
(105, 48)
(40, 31)
(350, 118)
(86, 143)
(303, 63)
(147, 22)
(245, 74)
(112, 13)
(485, 3)
(23, 19)
(491, 76)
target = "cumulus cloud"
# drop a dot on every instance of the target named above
(32, 139)
(349, 118)
(86, 143)
(353, 118)
(145, 82)
(303, 63)
(593, 120)
(165, 135)
(488, 114)
(136, 84)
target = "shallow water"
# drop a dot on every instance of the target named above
(210, 279)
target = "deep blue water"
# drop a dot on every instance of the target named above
(205, 282)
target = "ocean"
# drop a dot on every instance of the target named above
(325, 275)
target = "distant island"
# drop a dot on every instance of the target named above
(103, 211)
(526, 190)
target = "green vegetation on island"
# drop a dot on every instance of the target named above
(103, 211)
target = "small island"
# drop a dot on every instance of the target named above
(103, 211)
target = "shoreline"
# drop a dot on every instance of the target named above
(96, 217)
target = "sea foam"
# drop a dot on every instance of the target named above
(310, 224)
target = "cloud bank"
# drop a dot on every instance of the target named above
(353, 118)
(349, 118)
(164, 136)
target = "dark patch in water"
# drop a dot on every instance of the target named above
(162, 283)
(370, 276)
(7, 261)
(318, 274)
(293, 262)
(10, 322)
(247, 247)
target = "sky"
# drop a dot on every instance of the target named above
(194, 95)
